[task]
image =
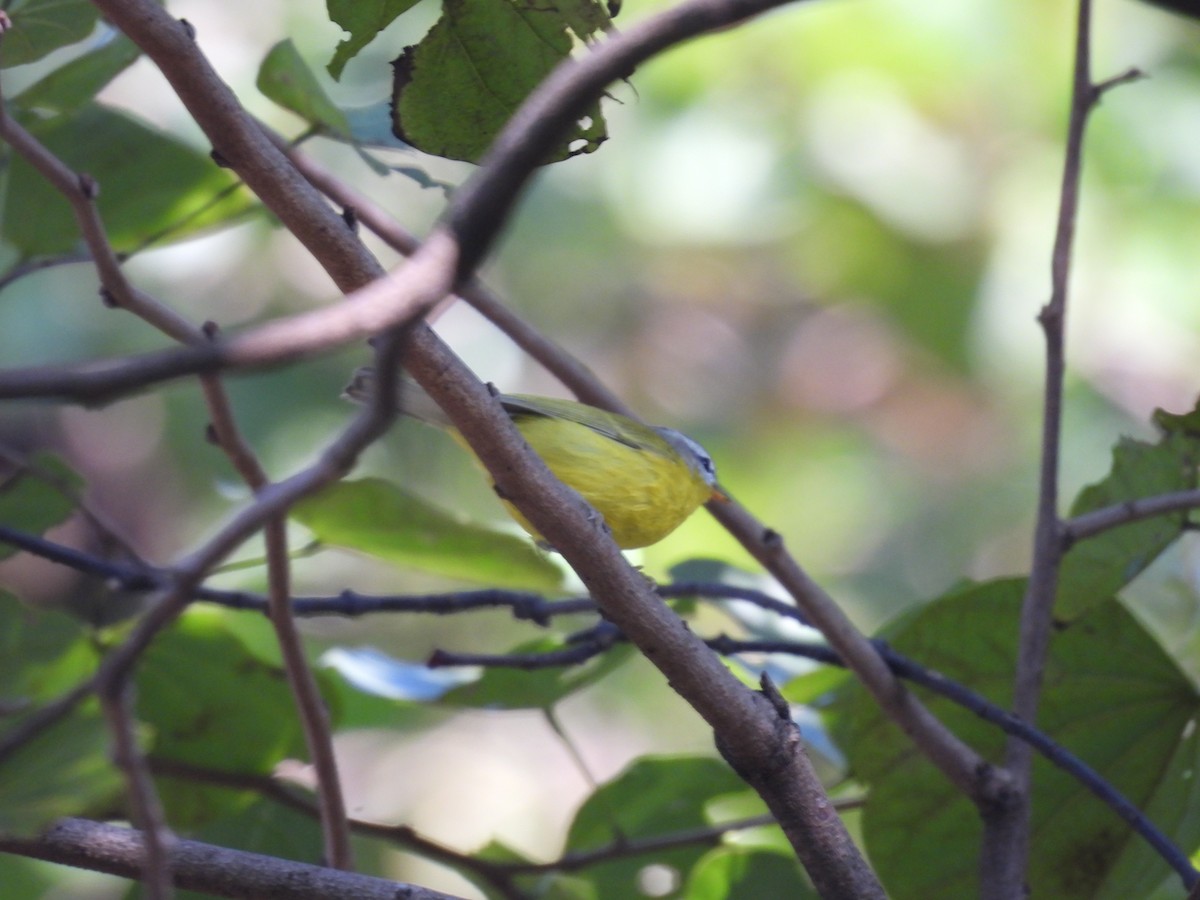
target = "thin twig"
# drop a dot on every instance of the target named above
(1097, 521)
(310, 707)
(1005, 853)
(148, 815)
(29, 267)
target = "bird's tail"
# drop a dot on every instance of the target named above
(410, 397)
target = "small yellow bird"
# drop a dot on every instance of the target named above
(643, 480)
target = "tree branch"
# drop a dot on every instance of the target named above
(205, 867)
(1097, 521)
(761, 746)
(1005, 855)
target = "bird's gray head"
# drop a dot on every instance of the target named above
(696, 456)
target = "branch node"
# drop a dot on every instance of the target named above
(210, 435)
(88, 186)
(777, 700)
(1101, 88)
(211, 329)
(771, 539)
(108, 298)
(219, 159)
(188, 28)
(350, 217)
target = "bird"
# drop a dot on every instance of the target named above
(643, 480)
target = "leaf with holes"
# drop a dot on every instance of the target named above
(457, 88)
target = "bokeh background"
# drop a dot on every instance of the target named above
(817, 243)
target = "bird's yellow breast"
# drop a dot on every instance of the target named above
(643, 493)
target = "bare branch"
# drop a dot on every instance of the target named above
(158, 839)
(204, 867)
(1097, 521)
(1004, 859)
(314, 716)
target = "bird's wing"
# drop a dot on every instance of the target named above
(610, 425)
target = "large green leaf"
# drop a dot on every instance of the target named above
(64, 771)
(30, 502)
(1112, 697)
(655, 796)
(267, 827)
(287, 79)
(149, 183)
(376, 517)
(363, 20)
(39, 26)
(748, 873)
(1098, 567)
(42, 654)
(457, 88)
(213, 704)
(76, 83)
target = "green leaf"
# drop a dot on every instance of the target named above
(455, 90)
(510, 688)
(376, 517)
(68, 88)
(364, 19)
(748, 874)
(1112, 696)
(42, 654)
(267, 827)
(24, 877)
(1098, 567)
(654, 797)
(149, 183)
(31, 503)
(39, 26)
(213, 704)
(64, 771)
(285, 78)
